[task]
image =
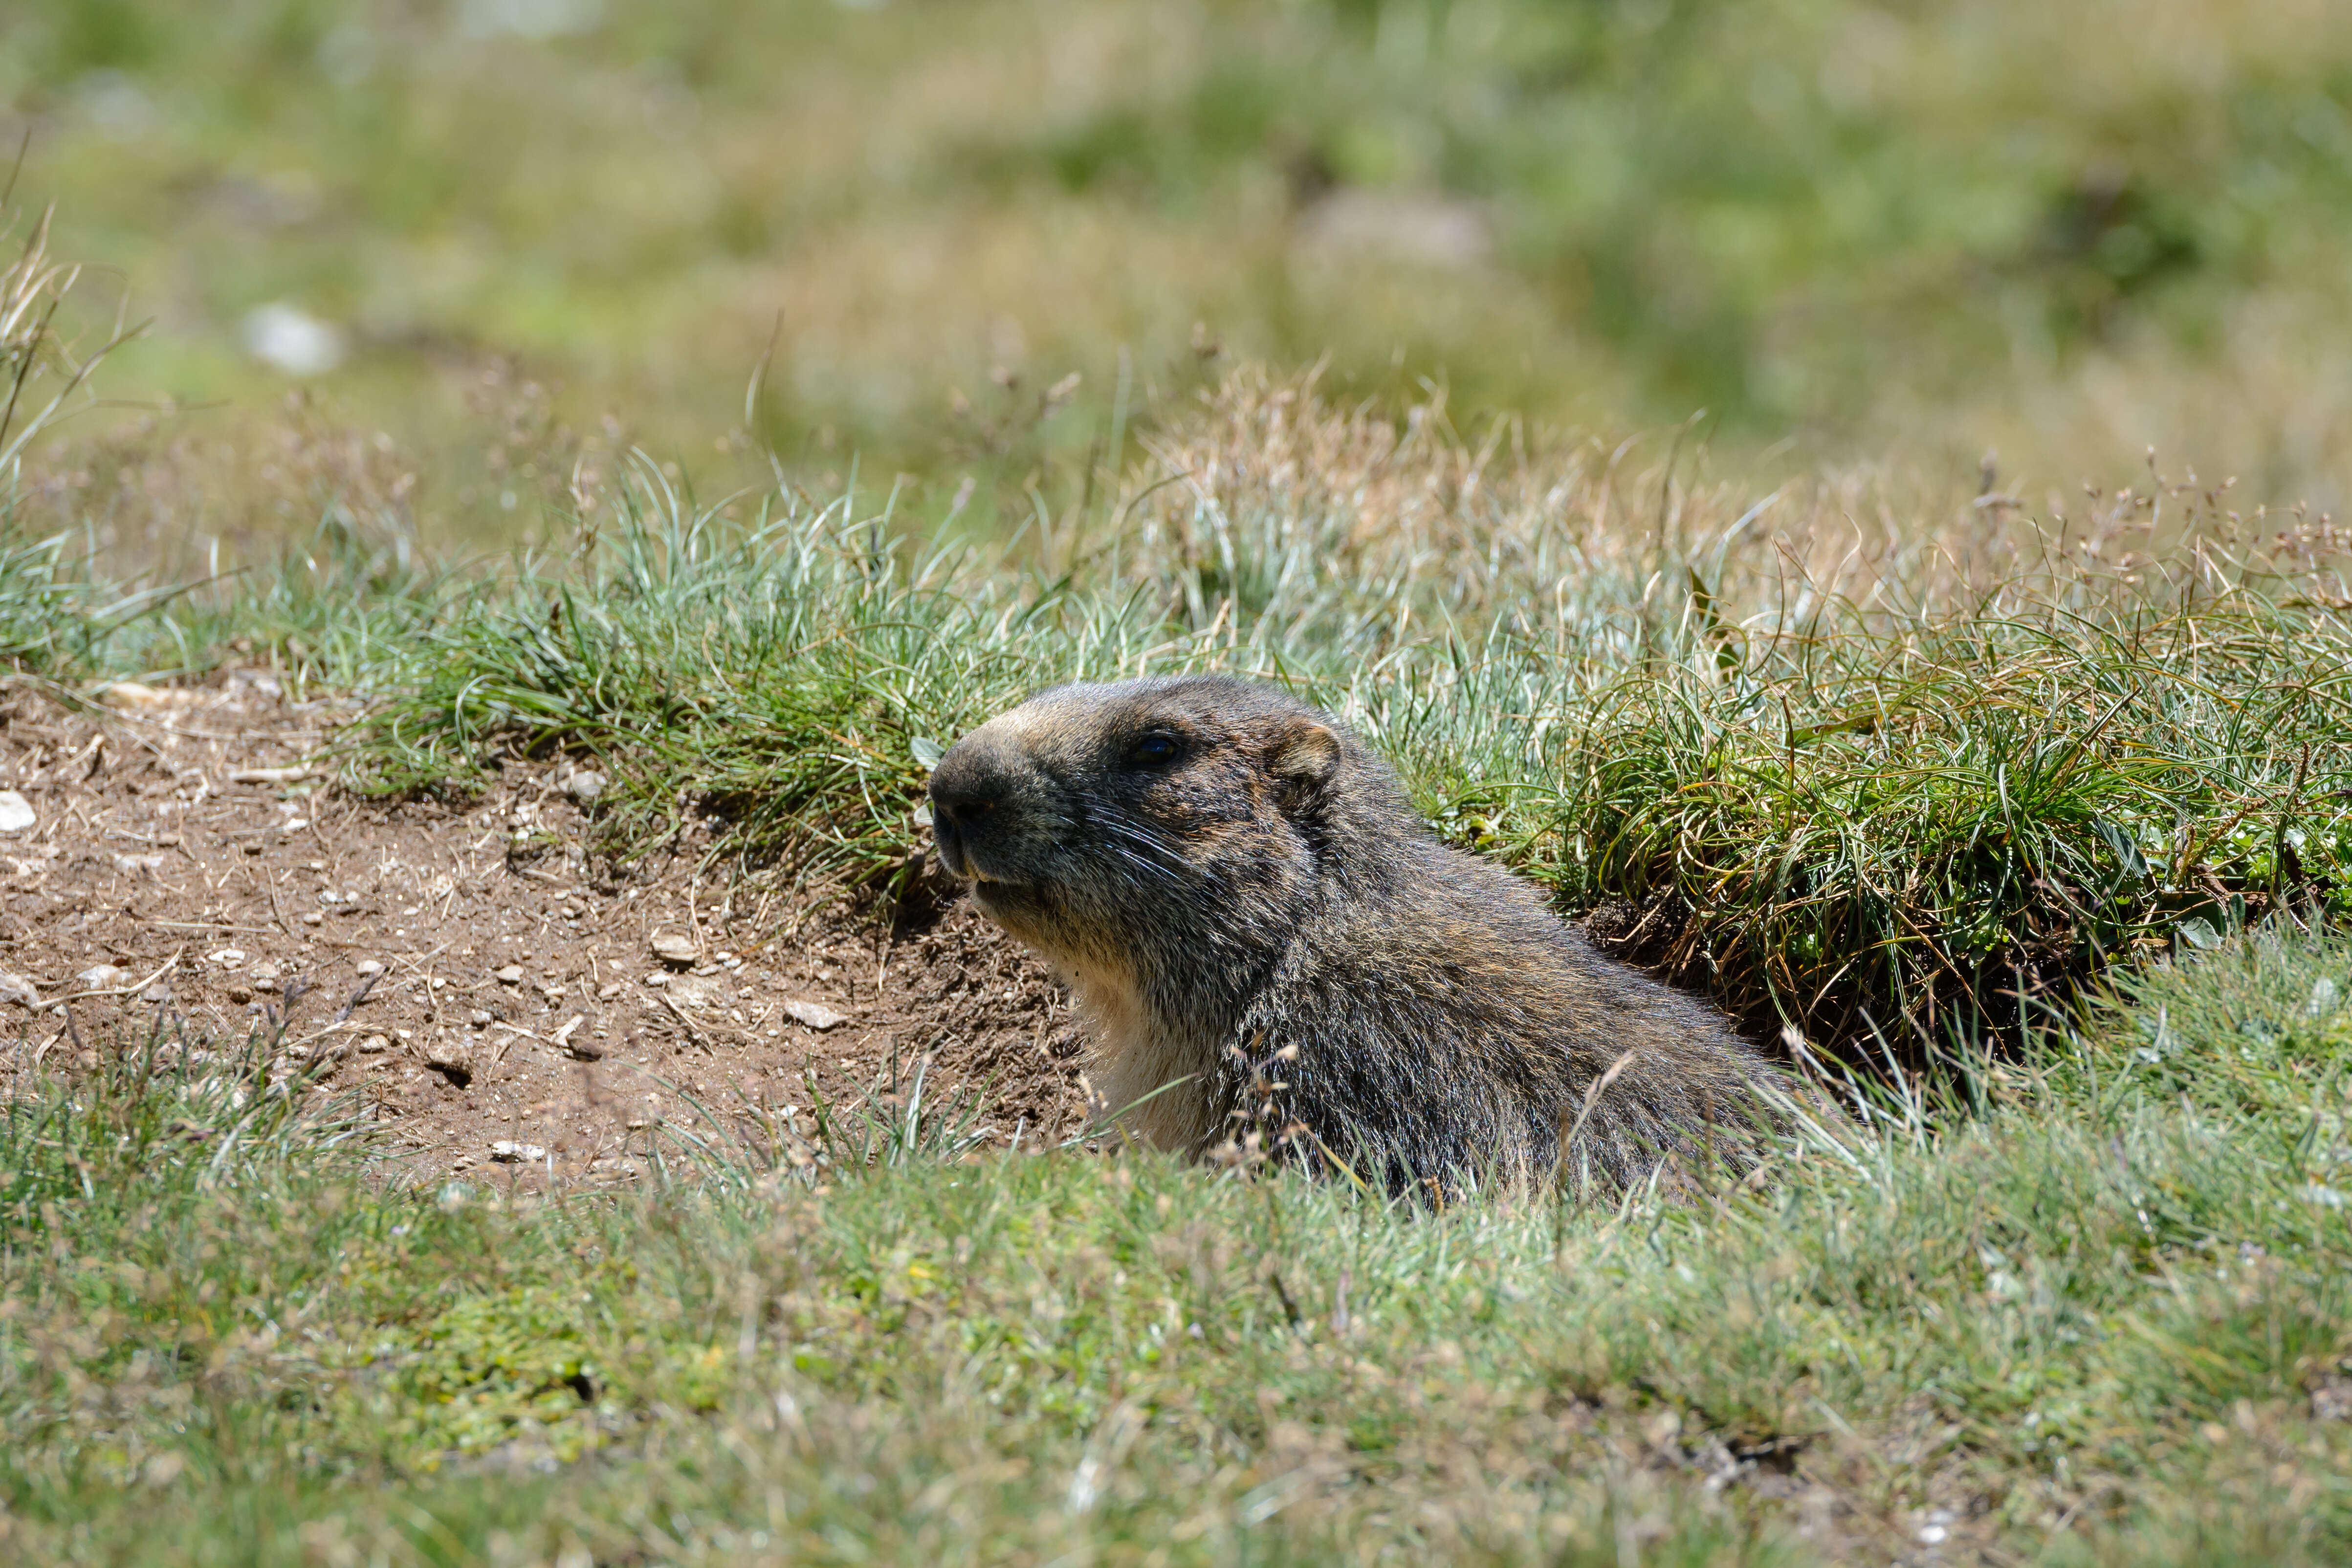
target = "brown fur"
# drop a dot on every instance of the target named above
(1247, 908)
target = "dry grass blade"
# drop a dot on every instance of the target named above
(44, 375)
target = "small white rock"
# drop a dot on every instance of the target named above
(507, 1152)
(228, 958)
(288, 337)
(375, 1045)
(17, 989)
(698, 991)
(510, 976)
(673, 947)
(816, 1014)
(585, 785)
(103, 977)
(16, 812)
(129, 865)
(367, 966)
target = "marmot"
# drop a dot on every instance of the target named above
(1248, 910)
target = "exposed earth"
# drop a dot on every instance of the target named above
(504, 1002)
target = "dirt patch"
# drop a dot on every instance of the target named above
(500, 999)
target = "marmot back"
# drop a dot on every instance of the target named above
(1261, 934)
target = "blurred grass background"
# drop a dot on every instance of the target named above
(504, 239)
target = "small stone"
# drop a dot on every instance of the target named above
(816, 1014)
(312, 917)
(510, 976)
(367, 966)
(453, 1061)
(138, 698)
(130, 865)
(375, 1045)
(17, 989)
(585, 785)
(656, 978)
(160, 992)
(608, 991)
(240, 994)
(228, 958)
(16, 812)
(507, 1152)
(478, 1018)
(103, 977)
(675, 948)
(699, 990)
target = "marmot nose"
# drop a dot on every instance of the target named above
(963, 791)
(962, 808)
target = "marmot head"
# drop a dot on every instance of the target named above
(1104, 823)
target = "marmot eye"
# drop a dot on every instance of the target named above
(1151, 751)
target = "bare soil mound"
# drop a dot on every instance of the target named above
(502, 999)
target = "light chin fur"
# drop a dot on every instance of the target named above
(1129, 1055)
(1140, 1082)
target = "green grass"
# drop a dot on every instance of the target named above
(1913, 772)
(2085, 1319)
(1933, 228)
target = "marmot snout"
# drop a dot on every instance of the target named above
(1259, 930)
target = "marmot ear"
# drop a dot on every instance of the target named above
(1304, 752)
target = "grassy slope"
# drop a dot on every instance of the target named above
(2084, 1307)
(1896, 791)
(2102, 1302)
